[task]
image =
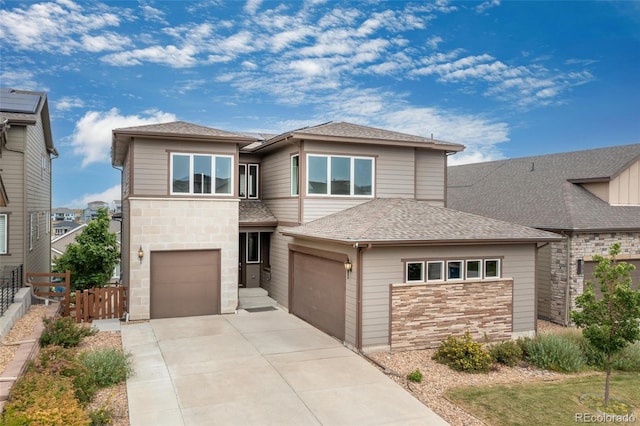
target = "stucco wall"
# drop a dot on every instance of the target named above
(422, 315)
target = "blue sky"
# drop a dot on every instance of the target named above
(507, 79)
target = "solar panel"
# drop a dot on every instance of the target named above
(12, 101)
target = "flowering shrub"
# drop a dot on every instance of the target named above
(506, 353)
(463, 354)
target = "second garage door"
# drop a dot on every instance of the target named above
(318, 289)
(185, 283)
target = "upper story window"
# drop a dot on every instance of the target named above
(340, 175)
(295, 174)
(248, 181)
(201, 174)
(3, 233)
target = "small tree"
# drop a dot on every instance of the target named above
(612, 322)
(94, 255)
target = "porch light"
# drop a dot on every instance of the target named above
(140, 254)
(348, 266)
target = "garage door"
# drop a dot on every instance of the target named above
(319, 292)
(185, 283)
(589, 267)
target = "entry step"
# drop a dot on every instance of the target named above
(253, 292)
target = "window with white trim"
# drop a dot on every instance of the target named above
(435, 271)
(295, 174)
(427, 270)
(474, 269)
(492, 268)
(31, 230)
(340, 175)
(201, 174)
(248, 181)
(3, 233)
(415, 271)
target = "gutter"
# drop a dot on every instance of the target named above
(567, 290)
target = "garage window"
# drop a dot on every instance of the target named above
(435, 271)
(474, 269)
(204, 174)
(415, 271)
(418, 270)
(492, 268)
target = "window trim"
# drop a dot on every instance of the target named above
(31, 231)
(242, 186)
(213, 158)
(422, 271)
(258, 245)
(462, 268)
(442, 274)
(498, 268)
(295, 176)
(352, 159)
(4, 243)
(480, 269)
(257, 172)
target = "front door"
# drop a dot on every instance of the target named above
(253, 256)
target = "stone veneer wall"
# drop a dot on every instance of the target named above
(583, 244)
(181, 224)
(422, 315)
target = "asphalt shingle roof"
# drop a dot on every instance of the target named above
(399, 220)
(182, 128)
(255, 212)
(538, 191)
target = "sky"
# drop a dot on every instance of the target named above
(505, 78)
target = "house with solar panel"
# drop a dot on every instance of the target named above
(590, 197)
(26, 151)
(342, 225)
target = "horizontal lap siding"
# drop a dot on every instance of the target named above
(151, 162)
(13, 179)
(430, 176)
(543, 282)
(278, 286)
(383, 266)
(275, 188)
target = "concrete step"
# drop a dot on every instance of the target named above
(252, 292)
(256, 302)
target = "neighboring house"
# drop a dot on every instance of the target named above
(63, 214)
(26, 150)
(592, 198)
(91, 212)
(61, 228)
(344, 225)
(59, 243)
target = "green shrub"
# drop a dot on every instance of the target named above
(628, 359)
(415, 376)
(44, 399)
(554, 352)
(110, 366)
(507, 353)
(463, 354)
(64, 332)
(64, 362)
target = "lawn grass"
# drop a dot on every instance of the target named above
(550, 403)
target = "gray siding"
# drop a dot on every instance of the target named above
(29, 192)
(150, 172)
(430, 176)
(543, 282)
(383, 266)
(275, 185)
(278, 286)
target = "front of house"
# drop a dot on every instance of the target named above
(344, 225)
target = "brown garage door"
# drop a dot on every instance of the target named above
(589, 268)
(185, 283)
(319, 292)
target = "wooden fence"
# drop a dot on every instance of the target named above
(84, 306)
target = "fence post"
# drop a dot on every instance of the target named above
(67, 293)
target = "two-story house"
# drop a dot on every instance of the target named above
(63, 214)
(344, 225)
(26, 150)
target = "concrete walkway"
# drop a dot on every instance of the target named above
(262, 368)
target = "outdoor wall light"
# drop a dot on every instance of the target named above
(140, 254)
(348, 266)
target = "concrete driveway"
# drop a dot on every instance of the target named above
(263, 368)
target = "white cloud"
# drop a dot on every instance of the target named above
(91, 137)
(68, 102)
(434, 42)
(172, 56)
(152, 14)
(252, 6)
(104, 42)
(483, 7)
(108, 195)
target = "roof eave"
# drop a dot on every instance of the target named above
(433, 144)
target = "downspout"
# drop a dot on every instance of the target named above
(359, 279)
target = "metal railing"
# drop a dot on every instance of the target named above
(9, 286)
